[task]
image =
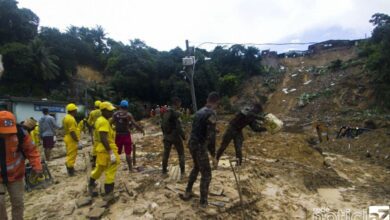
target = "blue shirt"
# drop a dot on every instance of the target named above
(47, 126)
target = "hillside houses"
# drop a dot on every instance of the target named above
(312, 49)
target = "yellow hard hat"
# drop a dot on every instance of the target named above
(107, 105)
(97, 103)
(71, 107)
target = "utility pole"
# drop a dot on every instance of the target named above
(189, 69)
(1, 66)
(86, 102)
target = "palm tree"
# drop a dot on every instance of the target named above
(44, 64)
(99, 38)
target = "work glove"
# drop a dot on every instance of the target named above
(36, 177)
(80, 146)
(112, 157)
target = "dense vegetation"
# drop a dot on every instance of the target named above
(377, 52)
(43, 62)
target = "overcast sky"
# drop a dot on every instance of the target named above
(165, 24)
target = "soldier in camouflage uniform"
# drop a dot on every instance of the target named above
(201, 142)
(247, 116)
(173, 134)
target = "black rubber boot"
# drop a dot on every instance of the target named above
(109, 188)
(182, 170)
(93, 161)
(239, 161)
(186, 196)
(182, 174)
(70, 171)
(92, 182)
(109, 192)
(203, 204)
(91, 187)
(164, 172)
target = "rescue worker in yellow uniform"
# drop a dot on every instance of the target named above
(31, 125)
(107, 158)
(92, 117)
(35, 136)
(82, 126)
(71, 138)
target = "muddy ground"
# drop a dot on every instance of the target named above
(282, 177)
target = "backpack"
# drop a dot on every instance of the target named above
(3, 164)
(21, 135)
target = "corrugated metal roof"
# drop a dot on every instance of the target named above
(32, 100)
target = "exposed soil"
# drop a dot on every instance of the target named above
(284, 176)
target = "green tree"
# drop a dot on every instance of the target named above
(16, 25)
(62, 46)
(378, 57)
(43, 61)
(228, 84)
(46, 62)
(18, 78)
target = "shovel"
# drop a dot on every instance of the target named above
(237, 178)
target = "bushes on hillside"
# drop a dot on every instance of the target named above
(377, 52)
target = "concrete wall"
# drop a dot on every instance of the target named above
(27, 110)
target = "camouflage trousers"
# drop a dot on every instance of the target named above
(178, 143)
(201, 164)
(229, 135)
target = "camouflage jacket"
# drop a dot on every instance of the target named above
(171, 125)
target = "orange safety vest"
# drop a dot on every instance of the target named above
(15, 158)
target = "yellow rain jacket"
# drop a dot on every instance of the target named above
(103, 162)
(70, 125)
(93, 116)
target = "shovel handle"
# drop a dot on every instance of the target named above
(134, 155)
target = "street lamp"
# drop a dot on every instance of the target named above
(189, 71)
(189, 67)
(1, 66)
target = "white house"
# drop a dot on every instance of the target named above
(31, 107)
